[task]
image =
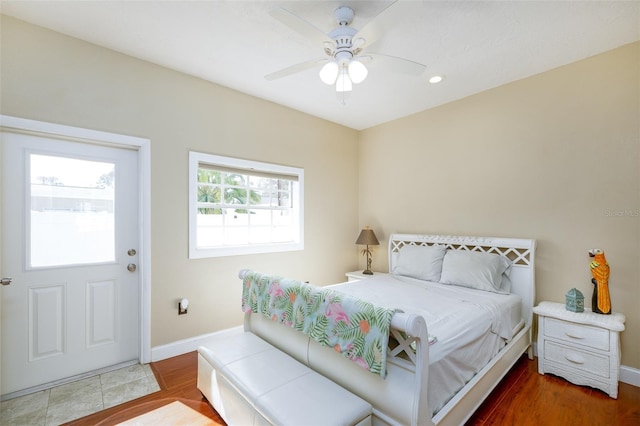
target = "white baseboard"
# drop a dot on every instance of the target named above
(628, 375)
(180, 347)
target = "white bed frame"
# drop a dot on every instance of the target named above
(401, 398)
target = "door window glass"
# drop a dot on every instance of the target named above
(72, 211)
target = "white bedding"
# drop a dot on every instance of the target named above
(470, 326)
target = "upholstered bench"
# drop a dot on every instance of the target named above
(250, 382)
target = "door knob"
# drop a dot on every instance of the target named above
(6, 281)
(131, 267)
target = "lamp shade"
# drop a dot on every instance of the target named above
(357, 71)
(367, 237)
(329, 73)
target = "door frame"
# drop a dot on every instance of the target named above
(143, 147)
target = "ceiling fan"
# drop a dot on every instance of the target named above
(344, 63)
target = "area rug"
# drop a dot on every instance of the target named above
(174, 413)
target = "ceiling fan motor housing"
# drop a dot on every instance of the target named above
(344, 15)
(343, 35)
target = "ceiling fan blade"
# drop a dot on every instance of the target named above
(299, 25)
(371, 31)
(401, 65)
(365, 59)
(295, 69)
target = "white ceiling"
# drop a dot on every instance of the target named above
(477, 45)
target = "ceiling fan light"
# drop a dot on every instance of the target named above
(329, 73)
(357, 71)
(344, 82)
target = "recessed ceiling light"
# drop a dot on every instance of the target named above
(436, 79)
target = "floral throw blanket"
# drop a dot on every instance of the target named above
(355, 328)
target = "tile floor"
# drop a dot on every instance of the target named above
(77, 399)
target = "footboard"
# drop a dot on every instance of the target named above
(398, 399)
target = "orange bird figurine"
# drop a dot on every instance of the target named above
(601, 301)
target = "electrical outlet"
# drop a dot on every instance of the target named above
(183, 306)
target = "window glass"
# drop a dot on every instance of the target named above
(241, 207)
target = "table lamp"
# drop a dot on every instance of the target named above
(367, 238)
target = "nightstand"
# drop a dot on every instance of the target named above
(358, 275)
(582, 347)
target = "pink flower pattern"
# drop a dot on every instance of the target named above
(275, 290)
(335, 310)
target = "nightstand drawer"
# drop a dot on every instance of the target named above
(570, 357)
(584, 335)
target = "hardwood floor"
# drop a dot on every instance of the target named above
(523, 398)
(526, 398)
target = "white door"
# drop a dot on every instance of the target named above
(70, 246)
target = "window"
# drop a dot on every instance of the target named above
(243, 207)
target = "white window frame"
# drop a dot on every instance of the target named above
(247, 166)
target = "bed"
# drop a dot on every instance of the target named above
(438, 369)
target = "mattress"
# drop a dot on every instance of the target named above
(469, 326)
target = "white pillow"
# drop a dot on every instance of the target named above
(505, 286)
(421, 262)
(473, 269)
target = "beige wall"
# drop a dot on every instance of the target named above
(554, 157)
(50, 77)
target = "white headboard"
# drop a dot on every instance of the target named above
(519, 252)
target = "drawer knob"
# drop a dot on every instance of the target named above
(574, 359)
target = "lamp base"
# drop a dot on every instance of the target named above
(367, 272)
